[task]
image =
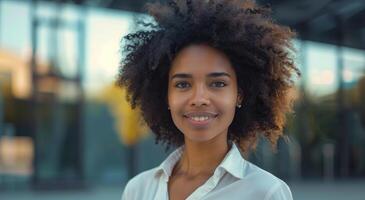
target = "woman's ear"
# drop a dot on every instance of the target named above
(239, 97)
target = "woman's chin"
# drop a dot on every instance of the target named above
(199, 137)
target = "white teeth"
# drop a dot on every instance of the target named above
(199, 119)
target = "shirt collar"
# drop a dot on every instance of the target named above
(168, 164)
(232, 163)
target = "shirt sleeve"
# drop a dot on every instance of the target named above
(126, 193)
(280, 192)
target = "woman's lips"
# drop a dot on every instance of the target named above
(200, 119)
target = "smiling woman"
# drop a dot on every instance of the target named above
(198, 79)
(210, 77)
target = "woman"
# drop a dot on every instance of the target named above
(210, 78)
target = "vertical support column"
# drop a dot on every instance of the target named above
(1, 98)
(33, 66)
(81, 93)
(0, 19)
(56, 24)
(305, 162)
(342, 135)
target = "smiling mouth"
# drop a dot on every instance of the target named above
(200, 119)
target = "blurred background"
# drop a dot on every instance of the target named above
(66, 131)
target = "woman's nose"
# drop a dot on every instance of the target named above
(200, 96)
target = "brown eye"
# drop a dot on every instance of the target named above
(182, 85)
(218, 84)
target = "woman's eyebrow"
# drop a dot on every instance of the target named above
(181, 75)
(213, 74)
(218, 74)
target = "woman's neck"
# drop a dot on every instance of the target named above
(201, 158)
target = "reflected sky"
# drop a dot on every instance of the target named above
(105, 28)
(322, 62)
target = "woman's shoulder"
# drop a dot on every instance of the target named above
(259, 174)
(140, 183)
(142, 178)
(266, 183)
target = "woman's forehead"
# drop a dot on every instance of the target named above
(200, 59)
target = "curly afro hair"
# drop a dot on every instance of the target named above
(259, 49)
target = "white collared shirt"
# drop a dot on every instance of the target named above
(235, 178)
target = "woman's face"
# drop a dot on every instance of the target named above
(202, 93)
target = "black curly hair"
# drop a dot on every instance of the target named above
(259, 49)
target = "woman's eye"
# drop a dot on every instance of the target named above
(219, 84)
(182, 85)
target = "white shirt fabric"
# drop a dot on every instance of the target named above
(235, 178)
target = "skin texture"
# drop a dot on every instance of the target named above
(201, 82)
(202, 92)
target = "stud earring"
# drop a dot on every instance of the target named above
(239, 105)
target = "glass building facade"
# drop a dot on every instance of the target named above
(65, 132)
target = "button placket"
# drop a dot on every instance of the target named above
(162, 193)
